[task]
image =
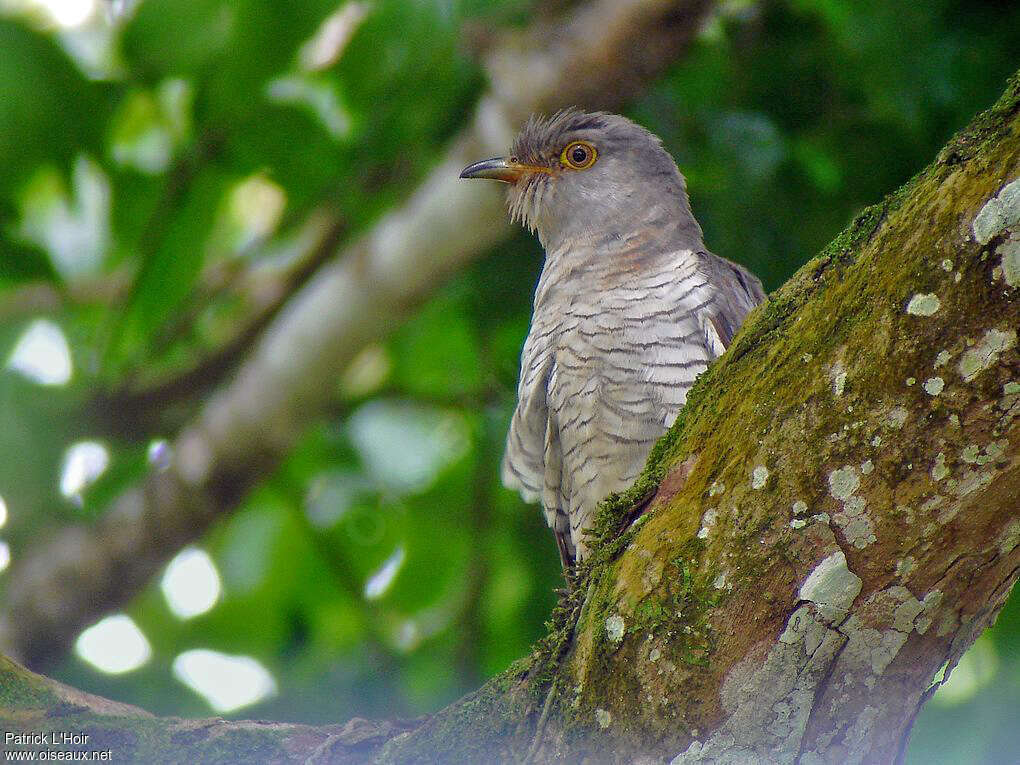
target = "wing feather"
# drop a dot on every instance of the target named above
(736, 291)
(523, 465)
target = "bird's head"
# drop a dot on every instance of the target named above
(588, 176)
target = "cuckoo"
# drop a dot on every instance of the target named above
(630, 308)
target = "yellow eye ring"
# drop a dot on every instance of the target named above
(578, 155)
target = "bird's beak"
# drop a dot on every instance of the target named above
(501, 169)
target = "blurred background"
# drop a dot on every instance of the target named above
(173, 171)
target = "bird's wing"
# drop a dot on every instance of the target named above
(735, 292)
(523, 465)
(533, 460)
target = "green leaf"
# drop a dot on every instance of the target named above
(437, 354)
(230, 49)
(39, 423)
(49, 111)
(293, 146)
(21, 262)
(168, 274)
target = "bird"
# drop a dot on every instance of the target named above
(629, 309)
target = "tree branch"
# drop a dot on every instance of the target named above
(595, 55)
(141, 411)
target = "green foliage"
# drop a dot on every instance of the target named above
(167, 275)
(216, 144)
(49, 110)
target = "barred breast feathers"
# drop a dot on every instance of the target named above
(605, 370)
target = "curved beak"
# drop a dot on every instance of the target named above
(501, 169)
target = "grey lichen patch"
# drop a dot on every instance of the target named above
(929, 606)
(798, 523)
(768, 699)
(994, 451)
(933, 386)
(1010, 264)
(844, 482)
(603, 719)
(1009, 538)
(924, 304)
(615, 628)
(907, 611)
(794, 631)
(716, 488)
(799, 507)
(759, 476)
(986, 353)
(707, 521)
(870, 648)
(867, 467)
(1011, 388)
(860, 732)
(896, 417)
(855, 525)
(852, 520)
(904, 566)
(804, 627)
(942, 359)
(904, 612)
(999, 213)
(939, 470)
(837, 376)
(949, 620)
(832, 587)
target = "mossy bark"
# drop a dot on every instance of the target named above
(832, 520)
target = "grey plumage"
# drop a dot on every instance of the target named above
(629, 309)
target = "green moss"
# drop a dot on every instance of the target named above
(21, 690)
(683, 605)
(482, 727)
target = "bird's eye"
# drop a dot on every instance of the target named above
(579, 155)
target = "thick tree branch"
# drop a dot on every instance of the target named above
(833, 519)
(596, 55)
(834, 515)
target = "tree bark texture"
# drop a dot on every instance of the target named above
(829, 525)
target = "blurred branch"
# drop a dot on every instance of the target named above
(33, 298)
(142, 411)
(147, 404)
(35, 703)
(598, 54)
